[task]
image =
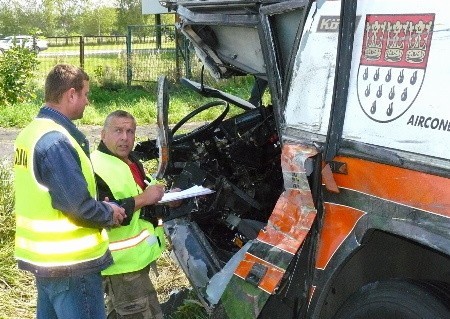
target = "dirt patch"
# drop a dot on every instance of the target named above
(8, 136)
(92, 132)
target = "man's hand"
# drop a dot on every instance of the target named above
(118, 213)
(150, 196)
(153, 194)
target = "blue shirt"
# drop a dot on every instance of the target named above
(57, 166)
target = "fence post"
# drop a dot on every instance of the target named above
(177, 54)
(81, 52)
(158, 30)
(129, 66)
(187, 57)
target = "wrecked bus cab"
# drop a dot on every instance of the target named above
(332, 201)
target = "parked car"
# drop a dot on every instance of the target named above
(4, 45)
(25, 41)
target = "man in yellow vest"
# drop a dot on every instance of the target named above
(136, 245)
(59, 222)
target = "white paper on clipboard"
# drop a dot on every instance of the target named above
(194, 191)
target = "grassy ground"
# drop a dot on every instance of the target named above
(17, 292)
(140, 101)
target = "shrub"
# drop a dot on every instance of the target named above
(16, 75)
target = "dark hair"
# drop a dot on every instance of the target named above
(118, 113)
(61, 78)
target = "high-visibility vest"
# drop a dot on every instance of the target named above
(136, 245)
(45, 237)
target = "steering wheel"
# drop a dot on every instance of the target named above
(202, 129)
(163, 139)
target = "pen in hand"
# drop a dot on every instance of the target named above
(157, 183)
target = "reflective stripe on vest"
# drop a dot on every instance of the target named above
(134, 241)
(133, 246)
(44, 235)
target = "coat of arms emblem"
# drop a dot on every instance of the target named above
(393, 63)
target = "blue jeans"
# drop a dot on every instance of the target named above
(74, 297)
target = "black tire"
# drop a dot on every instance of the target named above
(396, 299)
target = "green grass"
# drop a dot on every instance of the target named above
(139, 101)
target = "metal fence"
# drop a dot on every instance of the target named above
(144, 53)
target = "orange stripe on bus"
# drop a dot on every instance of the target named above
(417, 189)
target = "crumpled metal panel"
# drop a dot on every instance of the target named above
(259, 274)
(193, 252)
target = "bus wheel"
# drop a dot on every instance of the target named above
(397, 299)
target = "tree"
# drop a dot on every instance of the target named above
(129, 13)
(99, 21)
(7, 21)
(49, 16)
(70, 17)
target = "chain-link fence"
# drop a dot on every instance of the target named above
(141, 55)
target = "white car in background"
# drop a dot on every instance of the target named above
(25, 41)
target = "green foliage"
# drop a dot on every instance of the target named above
(98, 21)
(129, 13)
(16, 74)
(190, 309)
(19, 115)
(74, 17)
(110, 71)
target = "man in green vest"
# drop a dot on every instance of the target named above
(59, 222)
(136, 245)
